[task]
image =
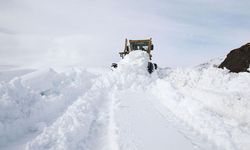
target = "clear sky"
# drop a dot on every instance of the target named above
(92, 32)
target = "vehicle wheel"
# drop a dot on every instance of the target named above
(114, 65)
(155, 65)
(150, 67)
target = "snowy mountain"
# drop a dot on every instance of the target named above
(125, 109)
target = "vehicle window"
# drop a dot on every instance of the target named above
(139, 46)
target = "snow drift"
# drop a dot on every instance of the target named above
(77, 109)
(213, 102)
(33, 101)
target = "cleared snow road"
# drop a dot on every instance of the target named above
(140, 126)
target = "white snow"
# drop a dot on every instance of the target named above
(126, 109)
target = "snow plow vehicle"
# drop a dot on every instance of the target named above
(142, 45)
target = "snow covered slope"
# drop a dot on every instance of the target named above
(126, 109)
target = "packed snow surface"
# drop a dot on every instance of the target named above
(125, 109)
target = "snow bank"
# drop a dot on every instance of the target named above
(31, 102)
(79, 126)
(212, 101)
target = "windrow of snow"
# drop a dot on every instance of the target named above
(30, 102)
(212, 101)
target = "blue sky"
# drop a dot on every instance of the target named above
(91, 32)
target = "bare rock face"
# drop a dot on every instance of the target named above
(238, 60)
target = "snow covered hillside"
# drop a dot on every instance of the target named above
(125, 109)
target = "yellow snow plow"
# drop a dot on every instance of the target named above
(134, 45)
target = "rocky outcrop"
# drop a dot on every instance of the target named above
(238, 60)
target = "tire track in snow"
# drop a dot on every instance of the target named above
(141, 127)
(87, 124)
(190, 134)
(103, 131)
